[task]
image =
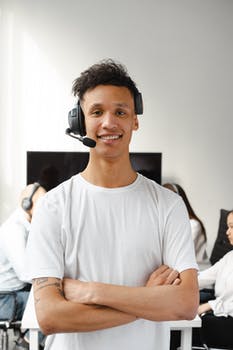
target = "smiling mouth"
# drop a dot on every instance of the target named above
(109, 137)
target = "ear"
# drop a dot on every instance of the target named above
(136, 123)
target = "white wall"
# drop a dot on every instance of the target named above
(179, 52)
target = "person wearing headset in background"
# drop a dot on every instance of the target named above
(197, 228)
(99, 240)
(217, 313)
(14, 232)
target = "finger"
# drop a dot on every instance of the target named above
(166, 276)
(172, 277)
(177, 282)
(159, 271)
(161, 279)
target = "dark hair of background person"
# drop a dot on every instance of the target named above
(179, 190)
(106, 72)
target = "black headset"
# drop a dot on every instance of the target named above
(76, 116)
(27, 201)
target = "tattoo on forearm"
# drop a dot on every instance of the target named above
(41, 283)
(49, 285)
(41, 280)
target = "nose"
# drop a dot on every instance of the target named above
(109, 121)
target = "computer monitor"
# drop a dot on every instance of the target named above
(52, 168)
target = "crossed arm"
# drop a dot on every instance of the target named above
(75, 306)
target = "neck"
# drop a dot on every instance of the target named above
(109, 173)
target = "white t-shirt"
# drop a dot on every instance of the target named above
(221, 274)
(13, 239)
(111, 235)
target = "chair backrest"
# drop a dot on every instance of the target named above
(7, 306)
(13, 324)
(221, 245)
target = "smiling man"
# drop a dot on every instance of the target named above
(102, 241)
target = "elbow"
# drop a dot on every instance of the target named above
(188, 308)
(188, 313)
(48, 320)
(46, 330)
(47, 324)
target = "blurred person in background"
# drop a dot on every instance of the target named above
(197, 228)
(14, 291)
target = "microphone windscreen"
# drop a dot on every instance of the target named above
(89, 142)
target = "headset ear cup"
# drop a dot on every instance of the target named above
(76, 121)
(73, 120)
(81, 121)
(27, 201)
(26, 204)
(138, 103)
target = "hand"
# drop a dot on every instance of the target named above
(163, 275)
(76, 290)
(203, 308)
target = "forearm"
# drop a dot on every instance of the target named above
(57, 315)
(166, 302)
(203, 308)
(72, 317)
(157, 303)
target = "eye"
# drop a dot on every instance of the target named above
(120, 113)
(96, 113)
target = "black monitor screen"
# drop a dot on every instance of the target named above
(52, 168)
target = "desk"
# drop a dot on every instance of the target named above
(186, 331)
(29, 321)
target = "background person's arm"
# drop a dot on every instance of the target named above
(203, 308)
(15, 249)
(208, 276)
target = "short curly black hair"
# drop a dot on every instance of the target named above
(106, 72)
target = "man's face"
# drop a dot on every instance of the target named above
(110, 119)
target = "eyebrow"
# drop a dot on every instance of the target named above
(117, 104)
(95, 105)
(124, 105)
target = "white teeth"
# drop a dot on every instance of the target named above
(110, 137)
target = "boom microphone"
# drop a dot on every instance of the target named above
(85, 140)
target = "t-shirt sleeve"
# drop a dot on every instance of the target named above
(178, 243)
(44, 251)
